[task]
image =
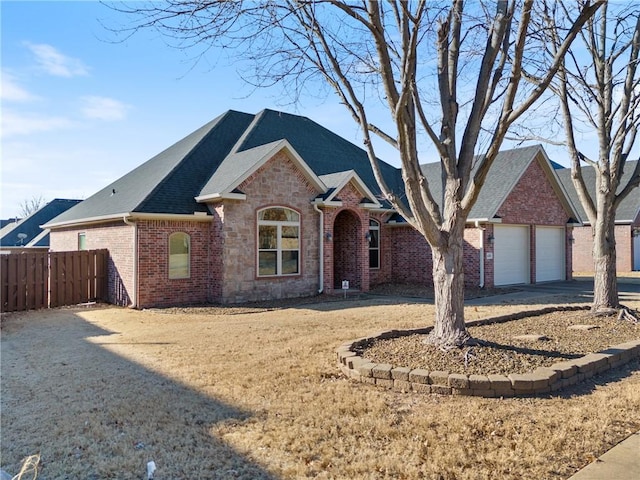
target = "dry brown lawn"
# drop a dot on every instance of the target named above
(99, 392)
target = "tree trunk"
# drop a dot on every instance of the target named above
(605, 287)
(448, 283)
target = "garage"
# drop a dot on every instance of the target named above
(511, 255)
(550, 254)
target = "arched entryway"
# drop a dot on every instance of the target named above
(347, 254)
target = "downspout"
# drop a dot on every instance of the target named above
(481, 285)
(135, 261)
(321, 249)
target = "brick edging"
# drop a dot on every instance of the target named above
(542, 380)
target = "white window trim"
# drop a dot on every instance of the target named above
(278, 224)
(84, 236)
(188, 274)
(377, 249)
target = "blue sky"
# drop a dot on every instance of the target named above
(79, 109)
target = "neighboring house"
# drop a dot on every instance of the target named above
(627, 229)
(273, 205)
(8, 221)
(28, 232)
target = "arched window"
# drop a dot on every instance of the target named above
(374, 244)
(179, 255)
(278, 242)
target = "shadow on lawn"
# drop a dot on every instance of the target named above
(93, 414)
(600, 380)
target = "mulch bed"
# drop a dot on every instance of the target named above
(501, 352)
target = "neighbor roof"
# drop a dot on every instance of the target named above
(211, 160)
(629, 208)
(506, 170)
(30, 226)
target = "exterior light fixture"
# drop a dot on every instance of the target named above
(328, 236)
(490, 239)
(367, 236)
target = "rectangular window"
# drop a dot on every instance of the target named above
(179, 255)
(374, 244)
(82, 241)
(278, 242)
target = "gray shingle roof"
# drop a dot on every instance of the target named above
(234, 167)
(170, 181)
(505, 172)
(213, 157)
(628, 210)
(30, 226)
(324, 151)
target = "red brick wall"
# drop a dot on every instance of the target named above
(155, 288)
(569, 253)
(533, 201)
(383, 274)
(472, 243)
(216, 248)
(411, 256)
(347, 257)
(119, 239)
(583, 247)
(347, 254)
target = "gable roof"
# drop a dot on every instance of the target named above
(239, 166)
(28, 231)
(505, 172)
(212, 161)
(629, 208)
(324, 151)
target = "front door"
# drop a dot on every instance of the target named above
(346, 258)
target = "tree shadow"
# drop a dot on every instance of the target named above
(529, 351)
(94, 414)
(599, 380)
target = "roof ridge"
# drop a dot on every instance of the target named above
(213, 124)
(242, 139)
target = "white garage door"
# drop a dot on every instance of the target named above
(550, 251)
(636, 253)
(510, 255)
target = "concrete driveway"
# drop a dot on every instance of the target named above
(628, 289)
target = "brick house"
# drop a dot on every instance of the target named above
(27, 233)
(273, 205)
(627, 228)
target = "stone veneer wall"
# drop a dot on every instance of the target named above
(277, 183)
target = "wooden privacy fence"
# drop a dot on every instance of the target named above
(52, 279)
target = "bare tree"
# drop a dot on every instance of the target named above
(445, 72)
(30, 205)
(598, 88)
